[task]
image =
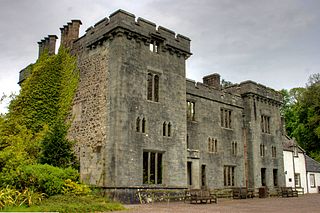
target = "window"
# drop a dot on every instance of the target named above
(228, 175)
(188, 144)
(138, 124)
(262, 150)
(203, 175)
(190, 110)
(297, 180)
(152, 168)
(234, 147)
(225, 116)
(154, 46)
(274, 151)
(212, 145)
(265, 124)
(141, 125)
(275, 177)
(312, 181)
(153, 87)
(166, 129)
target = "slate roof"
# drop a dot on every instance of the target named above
(312, 165)
(289, 143)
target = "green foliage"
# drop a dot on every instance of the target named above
(44, 178)
(11, 197)
(302, 115)
(71, 203)
(71, 187)
(37, 115)
(56, 149)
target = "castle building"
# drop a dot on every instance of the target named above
(140, 123)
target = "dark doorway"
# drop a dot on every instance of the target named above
(189, 171)
(263, 176)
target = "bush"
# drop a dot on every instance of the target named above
(43, 178)
(71, 187)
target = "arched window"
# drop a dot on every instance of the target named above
(143, 125)
(164, 127)
(150, 87)
(138, 124)
(169, 129)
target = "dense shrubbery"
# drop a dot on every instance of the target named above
(34, 131)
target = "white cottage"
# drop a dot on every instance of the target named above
(294, 165)
(313, 174)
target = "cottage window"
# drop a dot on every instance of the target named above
(312, 181)
(297, 180)
(152, 168)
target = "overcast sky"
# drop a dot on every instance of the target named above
(273, 42)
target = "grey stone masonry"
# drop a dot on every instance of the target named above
(139, 123)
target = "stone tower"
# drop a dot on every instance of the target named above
(129, 110)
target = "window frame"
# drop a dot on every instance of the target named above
(148, 178)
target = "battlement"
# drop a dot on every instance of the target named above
(125, 23)
(205, 91)
(48, 44)
(253, 88)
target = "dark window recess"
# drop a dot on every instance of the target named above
(152, 168)
(153, 87)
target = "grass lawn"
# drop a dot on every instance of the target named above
(70, 203)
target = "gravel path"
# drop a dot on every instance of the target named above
(304, 204)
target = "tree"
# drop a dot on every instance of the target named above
(302, 115)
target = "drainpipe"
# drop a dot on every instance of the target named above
(294, 169)
(305, 163)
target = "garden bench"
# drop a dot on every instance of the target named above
(288, 192)
(202, 196)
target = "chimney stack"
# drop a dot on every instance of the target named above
(69, 33)
(212, 81)
(47, 44)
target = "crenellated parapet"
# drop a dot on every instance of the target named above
(48, 44)
(122, 23)
(202, 90)
(257, 91)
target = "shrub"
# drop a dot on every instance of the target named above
(44, 178)
(71, 187)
